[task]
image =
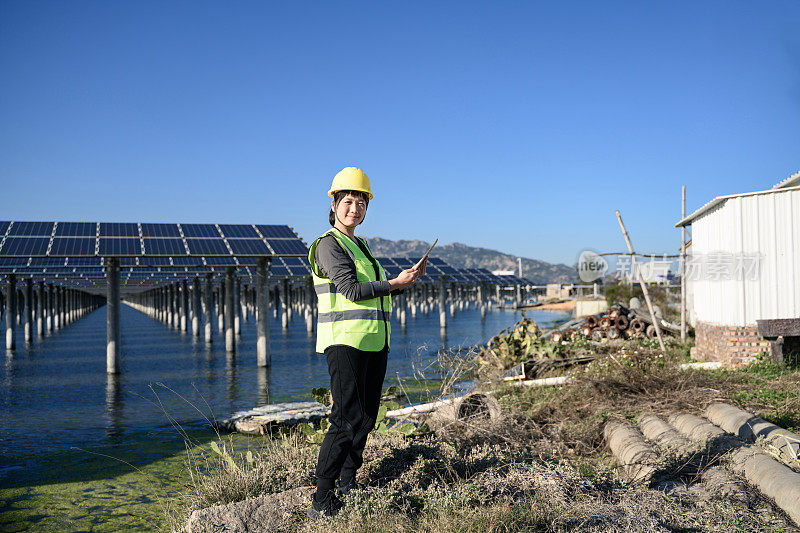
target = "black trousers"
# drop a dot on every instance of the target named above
(356, 383)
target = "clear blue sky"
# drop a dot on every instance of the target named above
(517, 126)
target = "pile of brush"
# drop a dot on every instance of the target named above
(617, 322)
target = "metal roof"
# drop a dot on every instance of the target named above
(791, 181)
(722, 199)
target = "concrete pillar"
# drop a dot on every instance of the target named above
(230, 336)
(49, 304)
(237, 306)
(481, 303)
(452, 299)
(170, 304)
(56, 308)
(208, 307)
(40, 307)
(518, 295)
(310, 299)
(442, 303)
(221, 307)
(262, 312)
(11, 311)
(184, 301)
(285, 304)
(403, 307)
(112, 320)
(28, 314)
(244, 297)
(196, 306)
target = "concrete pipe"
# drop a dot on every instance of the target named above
(612, 333)
(598, 334)
(613, 313)
(658, 431)
(703, 432)
(650, 332)
(591, 321)
(621, 322)
(637, 325)
(631, 451)
(586, 331)
(773, 479)
(605, 322)
(750, 427)
(472, 407)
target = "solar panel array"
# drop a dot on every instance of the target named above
(130, 239)
(439, 267)
(152, 255)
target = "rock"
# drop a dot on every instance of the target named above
(273, 512)
(261, 420)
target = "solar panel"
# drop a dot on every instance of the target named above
(41, 229)
(294, 261)
(83, 261)
(128, 261)
(72, 246)
(25, 246)
(248, 261)
(187, 261)
(111, 246)
(154, 261)
(47, 261)
(279, 271)
(160, 230)
(248, 246)
(241, 231)
(119, 229)
(13, 261)
(200, 230)
(76, 229)
(288, 247)
(4, 227)
(299, 271)
(207, 246)
(155, 246)
(216, 261)
(276, 232)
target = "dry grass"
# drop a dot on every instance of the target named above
(542, 467)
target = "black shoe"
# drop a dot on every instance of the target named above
(326, 508)
(345, 487)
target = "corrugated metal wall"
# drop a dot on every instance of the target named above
(768, 224)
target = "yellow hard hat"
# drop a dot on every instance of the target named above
(351, 179)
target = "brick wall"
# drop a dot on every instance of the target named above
(731, 345)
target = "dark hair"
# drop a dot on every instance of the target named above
(337, 197)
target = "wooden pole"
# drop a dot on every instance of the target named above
(683, 265)
(641, 282)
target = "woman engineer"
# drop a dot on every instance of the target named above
(353, 330)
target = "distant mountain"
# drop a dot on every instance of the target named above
(463, 256)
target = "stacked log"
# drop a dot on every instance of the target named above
(617, 322)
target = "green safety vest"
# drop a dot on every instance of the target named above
(365, 324)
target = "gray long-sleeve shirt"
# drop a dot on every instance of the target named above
(338, 266)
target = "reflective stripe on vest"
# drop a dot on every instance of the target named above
(364, 324)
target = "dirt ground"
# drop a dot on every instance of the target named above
(543, 464)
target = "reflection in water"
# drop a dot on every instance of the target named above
(262, 382)
(59, 383)
(231, 389)
(113, 405)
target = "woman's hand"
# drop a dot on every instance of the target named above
(406, 278)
